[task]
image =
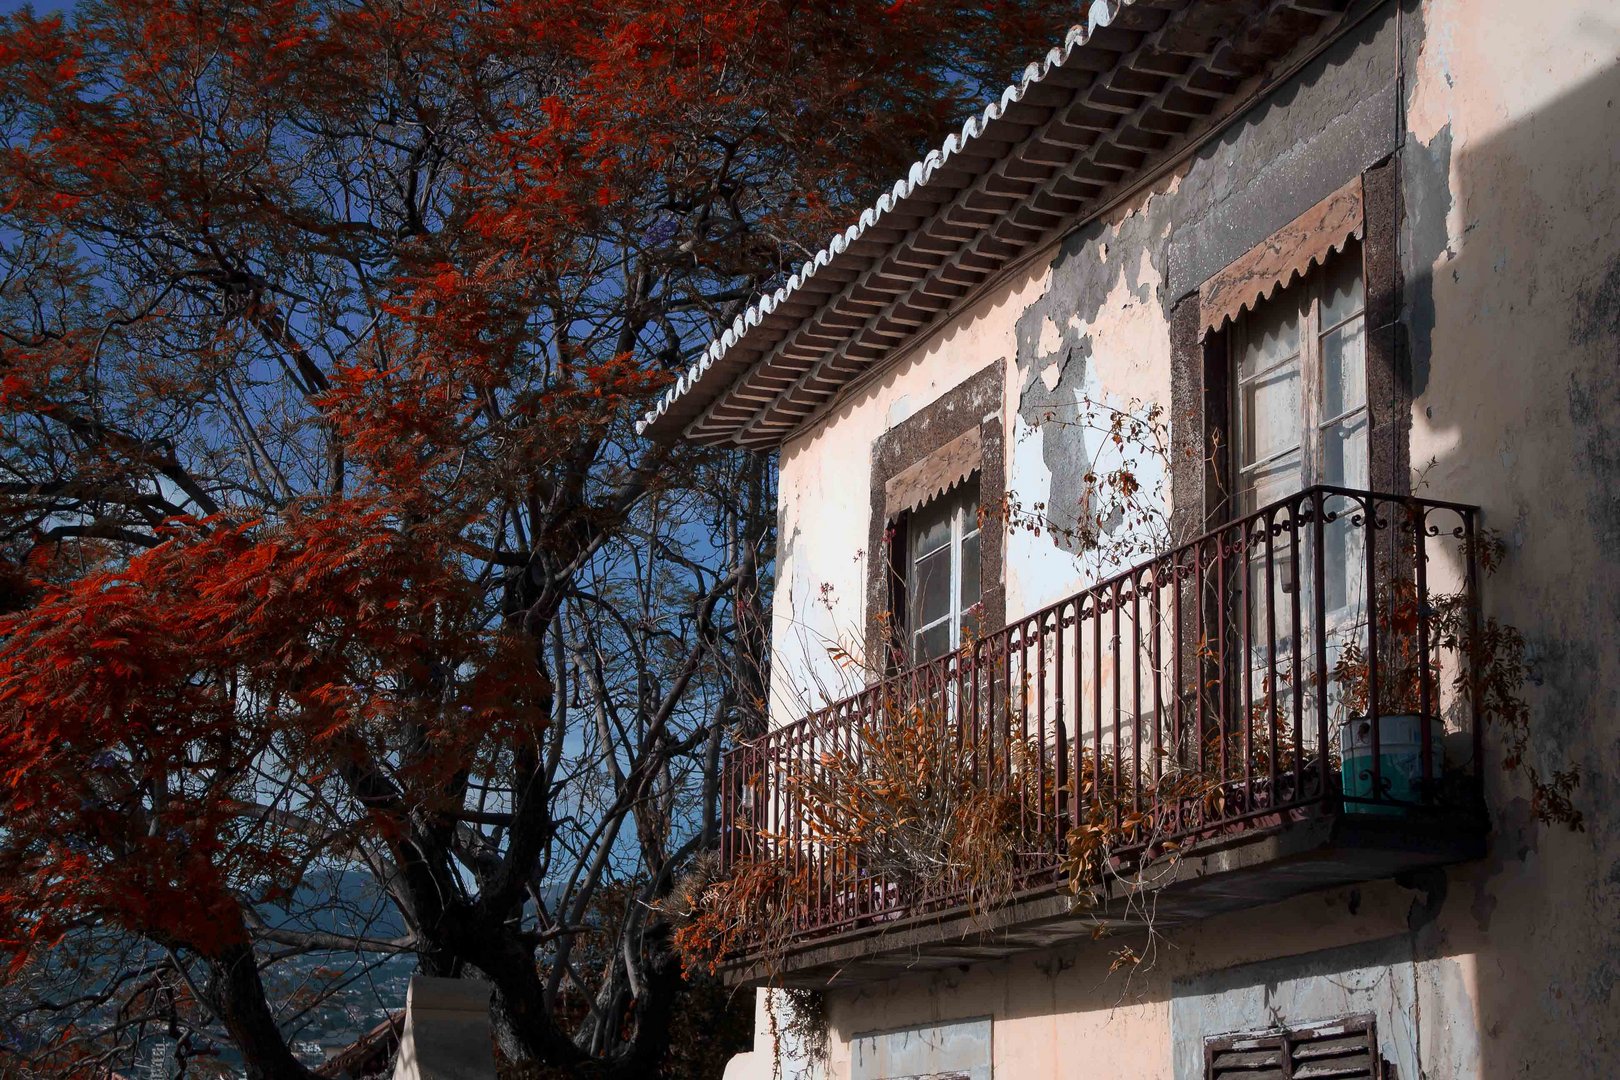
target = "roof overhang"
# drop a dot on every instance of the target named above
(1134, 89)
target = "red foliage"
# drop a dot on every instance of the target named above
(138, 700)
(322, 330)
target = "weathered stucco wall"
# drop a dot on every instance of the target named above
(1317, 957)
(1513, 276)
(1505, 123)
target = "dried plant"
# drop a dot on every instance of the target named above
(806, 1026)
(1122, 513)
(913, 803)
(1493, 681)
(919, 802)
(751, 909)
(1488, 673)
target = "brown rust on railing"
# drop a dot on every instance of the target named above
(1250, 697)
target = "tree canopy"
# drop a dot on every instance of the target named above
(325, 536)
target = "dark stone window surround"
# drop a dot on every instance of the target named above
(976, 402)
(1201, 366)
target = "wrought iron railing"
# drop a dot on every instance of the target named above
(1309, 657)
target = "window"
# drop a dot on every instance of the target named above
(1300, 408)
(1301, 386)
(941, 573)
(947, 452)
(952, 1050)
(1346, 1049)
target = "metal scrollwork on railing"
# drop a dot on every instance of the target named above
(1194, 695)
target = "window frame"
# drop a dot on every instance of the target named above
(1204, 494)
(961, 503)
(1309, 356)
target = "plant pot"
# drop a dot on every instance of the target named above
(1401, 778)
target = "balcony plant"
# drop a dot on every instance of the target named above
(1405, 686)
(909, 808)
(1486, 664)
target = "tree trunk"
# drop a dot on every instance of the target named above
(235, 992)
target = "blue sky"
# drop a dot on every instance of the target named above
(40, 7)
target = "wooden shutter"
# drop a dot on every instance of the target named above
(1344, 1050)
(1254, 1058)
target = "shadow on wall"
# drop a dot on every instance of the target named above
(1513, 333)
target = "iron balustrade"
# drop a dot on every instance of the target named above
(1308, 657)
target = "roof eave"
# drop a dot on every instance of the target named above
(1092, 131)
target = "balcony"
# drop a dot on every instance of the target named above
(1286, 703)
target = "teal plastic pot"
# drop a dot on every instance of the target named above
(1400, 761)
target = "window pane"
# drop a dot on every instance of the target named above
(933, 642)
(931, 528)
(1341, 288)
(1270, 601)
(1344, 565)
(931, 591)
(970, 571)
(1271, 414)
(1344, 452)
(1278, 480)
(1344, 368)
(1271, 333)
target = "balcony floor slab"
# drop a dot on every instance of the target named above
(1262, 865)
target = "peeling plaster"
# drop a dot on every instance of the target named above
(1428, 105)
(1426, 179)
(1113, 341)
(1387, 979)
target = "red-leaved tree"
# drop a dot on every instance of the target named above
(328, 546)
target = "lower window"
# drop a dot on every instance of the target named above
(1342, 1050)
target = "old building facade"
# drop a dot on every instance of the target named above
(1343, 276)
